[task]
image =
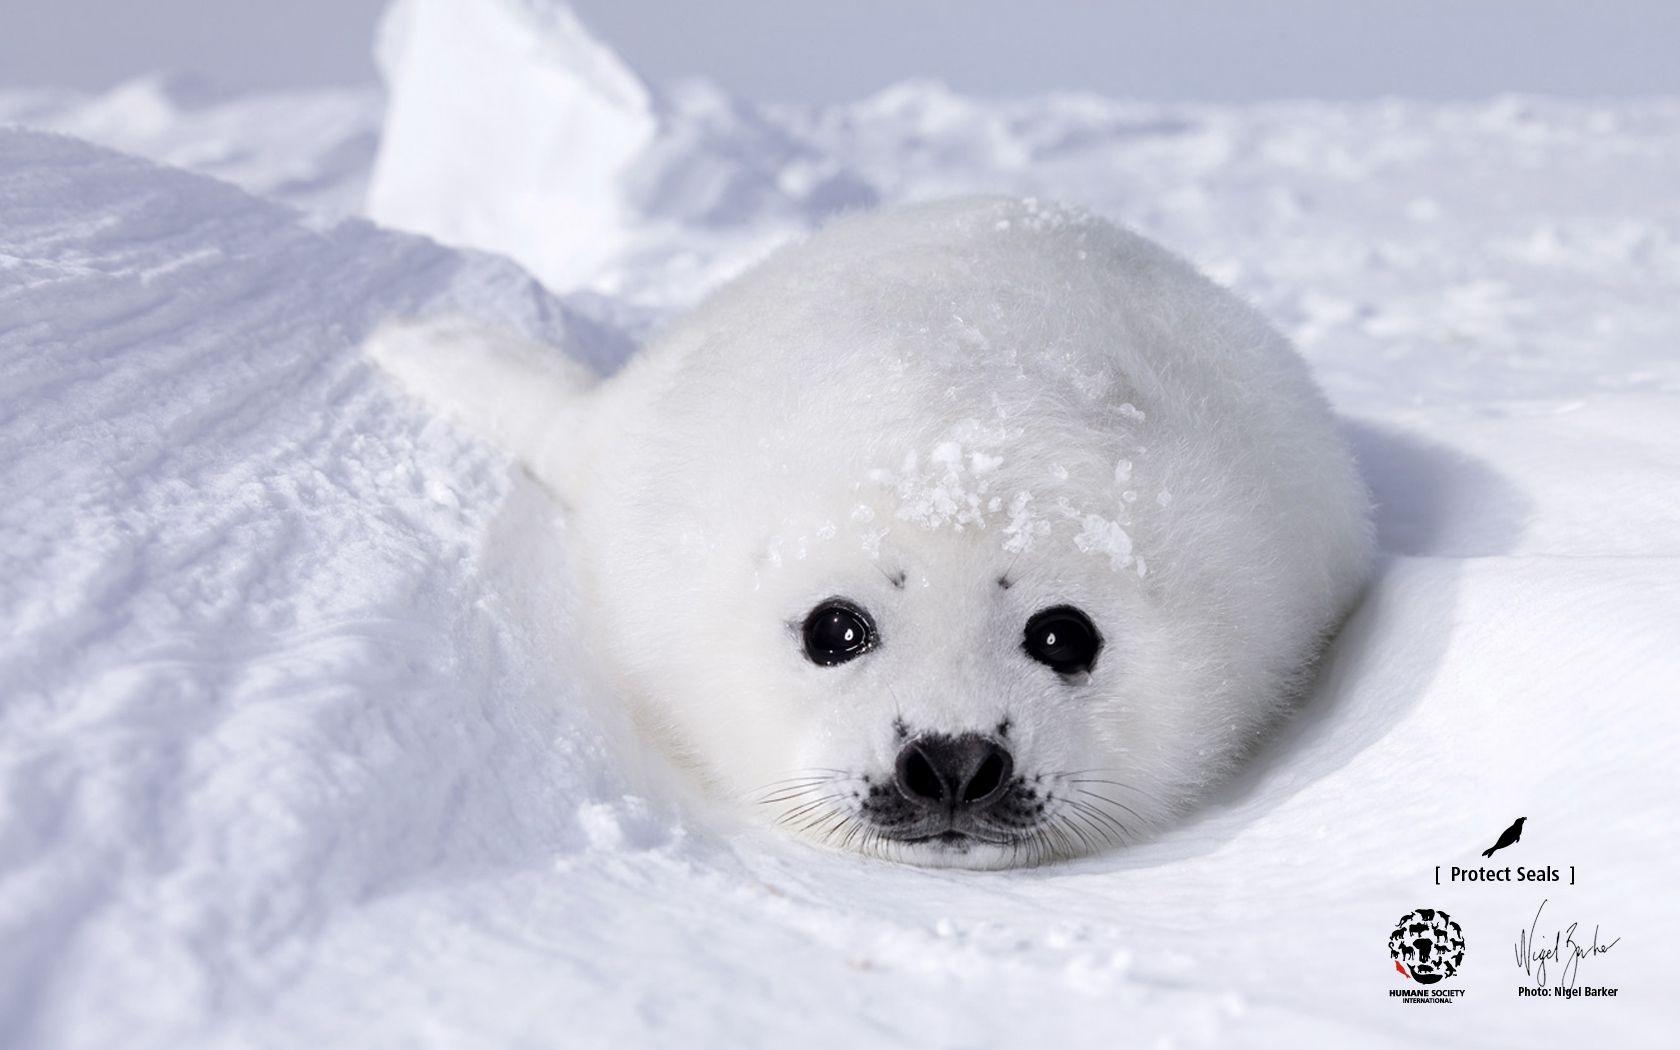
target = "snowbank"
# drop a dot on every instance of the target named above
(510, 128)
(309, 149)
(507, 128)
(244, 686)
(292, 749)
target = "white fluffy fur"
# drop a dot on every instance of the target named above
(956, 393)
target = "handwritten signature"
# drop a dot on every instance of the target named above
(1565, 952)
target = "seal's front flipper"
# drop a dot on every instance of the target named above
(527, 399)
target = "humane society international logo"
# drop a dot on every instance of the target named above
(1427, 947)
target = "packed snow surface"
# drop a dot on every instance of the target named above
(293, 749)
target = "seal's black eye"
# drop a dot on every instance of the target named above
(1063, 638)
(837, 631)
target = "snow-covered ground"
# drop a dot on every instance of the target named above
(293, 749)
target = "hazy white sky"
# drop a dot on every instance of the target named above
(819, 51)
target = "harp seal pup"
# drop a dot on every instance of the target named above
(977, 533)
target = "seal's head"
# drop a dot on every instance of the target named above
(975, 533)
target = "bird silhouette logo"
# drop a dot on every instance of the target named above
(1427, 946)
(1509, 837)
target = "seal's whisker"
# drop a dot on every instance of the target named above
(1086, 777)
(1069, 834)
(1080, 824)
(796, 781)
(1126, 832)
(818, 803)
(804, 808)
(829, 832)
(1113, 802)
(1115, 783)
(1054, 827)
(1110, 833)
(836, 817)
(812, 773)
(840, 825)
(857, 827)
(1055, 842)
(802, 780)
(788, 794)
(1106, 816)
(823, 817)
(1100, 823)
(1082, 776)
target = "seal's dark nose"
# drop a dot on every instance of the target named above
(954, 772)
